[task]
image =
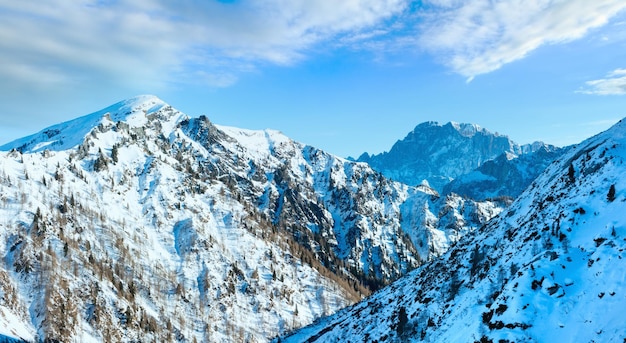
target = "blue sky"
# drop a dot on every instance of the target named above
(348, 76)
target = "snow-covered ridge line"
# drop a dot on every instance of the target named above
(71, 133)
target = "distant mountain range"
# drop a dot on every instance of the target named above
(548, 269)
(439, 154)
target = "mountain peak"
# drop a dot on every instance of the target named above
(147, 103)
(134, 111)
(439, 153)
(467, 130)
(142, 98)
(464, 129)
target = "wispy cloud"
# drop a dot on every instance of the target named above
(613, 84)
(475, 37)
(60, 42)
(156, 43)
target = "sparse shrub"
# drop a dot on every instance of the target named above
(501, 309)
(599, 241)
(487, 316)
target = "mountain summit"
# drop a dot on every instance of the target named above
(440, 153)
(133, 111)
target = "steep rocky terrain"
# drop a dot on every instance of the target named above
(138, 222)
(507, 175)
(441, 153)
(550, 268)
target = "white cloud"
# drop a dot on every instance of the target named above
(155, 42)
(613, 84)
(475, 37)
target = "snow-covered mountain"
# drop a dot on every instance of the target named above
(549, 269)
(440, 153)
(139, 222)
(507, 175)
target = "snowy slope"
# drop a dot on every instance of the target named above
(440, 153)
(72, 133)
(549, 269)
(139, 222)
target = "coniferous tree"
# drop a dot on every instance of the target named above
(100, 163)
(114, 153)
(402, 320)
(611, 195)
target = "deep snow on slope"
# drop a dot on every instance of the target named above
(550, 268)
(440, 153)
(138, 221)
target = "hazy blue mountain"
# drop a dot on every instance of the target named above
(441, 153)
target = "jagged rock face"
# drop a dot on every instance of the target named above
(329, 205)
(549, 268)
(440, 153)
(507, 175)
(138, 222)
(347, 213)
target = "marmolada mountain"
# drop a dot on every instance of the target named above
(138, 223)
